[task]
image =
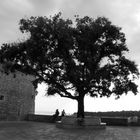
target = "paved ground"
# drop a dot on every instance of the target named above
(46, 131)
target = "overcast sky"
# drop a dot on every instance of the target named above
(123, 13)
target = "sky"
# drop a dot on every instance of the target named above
(123, 13)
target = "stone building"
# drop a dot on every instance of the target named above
(17, 96)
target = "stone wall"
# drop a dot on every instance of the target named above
(110, 121)
(42, 118)
(17, 96)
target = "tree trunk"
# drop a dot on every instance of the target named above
(80, 112)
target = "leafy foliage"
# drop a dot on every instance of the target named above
(86, 57)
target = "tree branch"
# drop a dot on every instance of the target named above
(71, 97)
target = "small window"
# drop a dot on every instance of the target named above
(32, 96)
(1, 97)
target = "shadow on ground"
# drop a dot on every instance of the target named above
(46, 131)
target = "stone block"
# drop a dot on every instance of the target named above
(87, 122)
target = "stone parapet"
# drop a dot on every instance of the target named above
(87, 122)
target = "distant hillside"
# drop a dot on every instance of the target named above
(114, 114)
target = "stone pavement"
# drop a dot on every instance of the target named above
(46, 131)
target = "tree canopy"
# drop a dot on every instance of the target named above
(74, 58)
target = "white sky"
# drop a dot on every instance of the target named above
(124, 13)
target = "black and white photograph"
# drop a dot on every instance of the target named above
(69, 70)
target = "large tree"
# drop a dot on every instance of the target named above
(74, 59)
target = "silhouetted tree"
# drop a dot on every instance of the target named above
(74, 59)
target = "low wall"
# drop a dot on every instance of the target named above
(42, 118)
(120, 121)
(115, 121)
(134, 121)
